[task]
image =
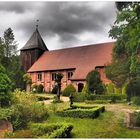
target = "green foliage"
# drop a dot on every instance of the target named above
(79, 112)
(84, 90)
(110, 88)
(133, 88)
(98, 101)
(24, 109)
(40, 88)
(126, 63)
(54, 90)
(79, 97)
(68, 90)
(5, 87)
(57, 130)
(113, 97)
(56, 100)
(27, 78)
(137, 115)
(136, 100)
(94, 83)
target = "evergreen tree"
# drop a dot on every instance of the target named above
(94, 83)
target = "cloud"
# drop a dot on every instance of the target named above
(66, 21)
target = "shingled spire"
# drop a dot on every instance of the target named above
(32, 50)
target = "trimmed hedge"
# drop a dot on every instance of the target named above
(98, 101)
(136, 100)
(113, 97)
(86, 112)
(57, 130)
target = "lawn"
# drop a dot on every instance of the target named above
(108, 125)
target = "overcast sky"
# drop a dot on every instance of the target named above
(61, 24)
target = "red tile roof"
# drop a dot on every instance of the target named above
(83, 59)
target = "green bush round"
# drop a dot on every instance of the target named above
(68, 90)
(40, 88)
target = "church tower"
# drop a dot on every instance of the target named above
(32, 50)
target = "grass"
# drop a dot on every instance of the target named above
(108, 125)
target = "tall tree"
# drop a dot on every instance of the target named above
(126, 54)
(10, 44)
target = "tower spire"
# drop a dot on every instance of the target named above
(37, 23)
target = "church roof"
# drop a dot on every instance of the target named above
(83, 59)
(35, 42)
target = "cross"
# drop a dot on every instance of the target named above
(37, 23)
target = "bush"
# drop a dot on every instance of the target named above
(133, 88)
(136, 100)
(37, 88)
(58, 130)
(56, 100)
(94, 83)
(84, 90)
(54, 90)
(110, 88)
(79, 97)
(81, 112)
(98, 101)
(68, 90)
(113, 97)
(40, 88)
(137, 115)
(25, 108)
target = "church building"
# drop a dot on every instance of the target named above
(74, 63)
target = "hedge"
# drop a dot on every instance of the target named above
(112, 97)
(57, 130)
(86, 112)
(98, 101)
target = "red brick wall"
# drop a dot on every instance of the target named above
(48, 83)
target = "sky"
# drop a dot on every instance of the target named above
(61, 24)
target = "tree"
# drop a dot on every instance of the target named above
(28, 80)
(58, 79)
(126, 30)
(94, 83)
(125, 67)
(10, 44)
(5, 86)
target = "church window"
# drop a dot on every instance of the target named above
(70, 73)
(39, 77)
(53, 76)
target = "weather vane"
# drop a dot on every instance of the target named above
(37, 23)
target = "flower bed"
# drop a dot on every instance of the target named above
(82, 111)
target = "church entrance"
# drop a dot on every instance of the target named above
(80, 87)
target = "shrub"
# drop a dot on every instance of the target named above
(136, 100)
(133, 88)
(110, 88)
(40, 88)
(80, 112)
(56, 100)
(54, 90)
(34, 88)
(37, 88)
(113, 97)
(137, 116)
(58, 130)
(25, 108)
(94, 83)
(79, 97)
(98, 101)
(68, 90)
(84, 90)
